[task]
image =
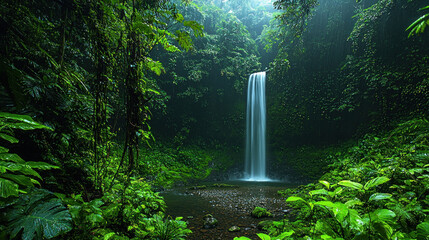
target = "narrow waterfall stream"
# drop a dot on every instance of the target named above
(255, 163)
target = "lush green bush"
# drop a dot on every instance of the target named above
(20, 201)
(125, 212)
(378, 190)
(164, 166)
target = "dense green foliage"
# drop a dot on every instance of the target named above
(377, 190)
(104, 103)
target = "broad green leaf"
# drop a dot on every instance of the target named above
(19, 179)
(285, 234)
(379, 196)
(318, 192)
(327, 237)
(43, 219)
(242, 238)
(383, 229)
(325, 203)
(340, 211)
(95, 218)
(8, 188)
(323, 227)
(354, 220)
(108, 236)
(263, 236)
(325, 183)
(8, 138)
(11, 157)
(19, 167)
(42, 165)
(382, 215)
(375, 182)
(350, 184)
(294, 199)
(353, 202)
(337, 191)
(24, 122)
(96, 203)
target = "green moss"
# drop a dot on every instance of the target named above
(260, 212)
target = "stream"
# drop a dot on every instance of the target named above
(230, 205)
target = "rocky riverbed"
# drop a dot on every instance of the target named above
(231, 204)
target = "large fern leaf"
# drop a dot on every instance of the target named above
(38, 215)
(420, 24)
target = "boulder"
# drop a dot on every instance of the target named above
(209, 221)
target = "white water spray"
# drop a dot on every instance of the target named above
(255, 166)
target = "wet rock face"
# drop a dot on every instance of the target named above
(209, 221)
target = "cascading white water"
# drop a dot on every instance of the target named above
(255, 166)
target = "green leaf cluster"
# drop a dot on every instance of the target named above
(375, 191)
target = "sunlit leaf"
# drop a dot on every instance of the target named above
(263, 236)
(319, 192)
(11, 157)
(375, 182)
(294, 199)
(325, 183)
(20, 179)
(350, 184)
(41, 165)
(382, 215)
(379, 196)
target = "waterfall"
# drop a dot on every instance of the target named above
(255, 164)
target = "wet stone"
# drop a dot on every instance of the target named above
(209, 221)
(234, 229)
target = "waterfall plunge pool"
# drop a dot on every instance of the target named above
(231, 203)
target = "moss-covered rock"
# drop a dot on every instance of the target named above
(260, 212)
(209, 221)
(234, 229)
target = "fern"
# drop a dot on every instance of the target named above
(161, 229)
(420, 24)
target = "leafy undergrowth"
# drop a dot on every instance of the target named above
(379, 190)
(124, 212)
(164, 166)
